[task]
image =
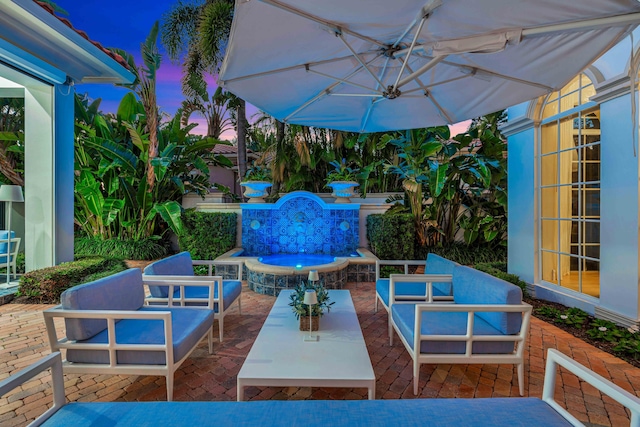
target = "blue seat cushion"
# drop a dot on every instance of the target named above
(120, 291)
(175, 265)
(410, 288)
(496, 412)
(443, 323)
(189, 326)
(230, 292)
(471, 286)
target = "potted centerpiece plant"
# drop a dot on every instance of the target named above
(343, 181)
(301, 310)
(256, 182)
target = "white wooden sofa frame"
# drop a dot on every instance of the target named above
(214, 281)
(410, 277)
(428, 297)
(111, 316)
(555, 359)
(516, 358)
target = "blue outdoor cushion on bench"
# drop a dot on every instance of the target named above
(188, 328)
(473, 286)
(121, 291)
(443, 323)
(508, 412)
(231, 290)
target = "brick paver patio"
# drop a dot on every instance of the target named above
(213, 377)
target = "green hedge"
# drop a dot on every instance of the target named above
(207, 235)
(145, 249)
(391, 236)
(499, 270)
(46, 285)
(465, 255)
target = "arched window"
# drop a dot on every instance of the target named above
(569, 181)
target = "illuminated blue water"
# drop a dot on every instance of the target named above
(296, 260)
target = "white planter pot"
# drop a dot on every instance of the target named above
(343, 190)
(256, 191)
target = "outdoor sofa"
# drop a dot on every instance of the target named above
(110, 330)
(487, 322)
(178, 270)
(511, 412)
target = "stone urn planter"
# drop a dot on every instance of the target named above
(343, 190)
(256, 191)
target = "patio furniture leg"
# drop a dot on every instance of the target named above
(210, 340)
(240, 304)
(390, 329)
(221, 326)
(416, 375)
(169, 386)
(375, 305)
(521, 378)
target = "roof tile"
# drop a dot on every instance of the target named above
(118, 58)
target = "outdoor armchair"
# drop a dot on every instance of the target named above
(109, 330)
(178, 270)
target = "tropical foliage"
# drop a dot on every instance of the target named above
(113, 197)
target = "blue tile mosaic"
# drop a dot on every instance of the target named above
(300, 222)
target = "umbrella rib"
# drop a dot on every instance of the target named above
(405, 60)
(355, 54)
(327, 90)
(373, 102)
(377, 92)
(429, 96)
(442, 82)
(332, 25)
(294, 67)
(420, 71)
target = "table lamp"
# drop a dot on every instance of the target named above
(10, 193)
(310, 299)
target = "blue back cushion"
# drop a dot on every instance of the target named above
(120, 291)
(438, 265)
(471, 286)
(175, 265)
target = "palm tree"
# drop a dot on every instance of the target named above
(197, 34)
(214, 109)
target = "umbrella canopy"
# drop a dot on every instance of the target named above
(377, 65)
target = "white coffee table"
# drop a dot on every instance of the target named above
(279, 356)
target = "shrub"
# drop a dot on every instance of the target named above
(145, 249)
(498, 269)
(465, 255)
(46, 285)
(391, 236)
(207, 235)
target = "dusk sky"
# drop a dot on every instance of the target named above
(125, 24)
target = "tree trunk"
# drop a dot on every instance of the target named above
(242, 139)
(277, 183)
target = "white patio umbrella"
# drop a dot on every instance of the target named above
(375, 65)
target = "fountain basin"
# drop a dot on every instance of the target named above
(270, 279)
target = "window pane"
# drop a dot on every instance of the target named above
(549, 267)
(591, 232)
(587, 91)
(569, 277)
(591, 202)
(551, 108)
(550, 235)
(549, 169)
(549, 203)
(549, 138)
